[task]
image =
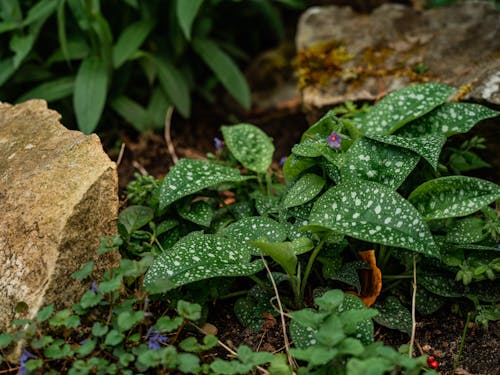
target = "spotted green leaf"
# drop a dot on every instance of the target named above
(348, 274)
(255, 228)
(441, 285)
(453, 196)
(448, 119)
(190, 176)
(200, 256)
(427, 146)
(371, 160)
(198, 212)
(310, 148)
(305, 189)
(295, 165)
(468, 230)
(428, 303)
(361, 326)
(372, 212)
(392, 314)
(249, 310)
(402, 106)
(321, 129)
(250, 146)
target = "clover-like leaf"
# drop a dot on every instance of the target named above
(362, 329)
(375, 161)
(372, 212)
(190, 176)
(200, 256)
(402, 106)
(453, 196)
(448, 119)
(428, 146)
(134, 217)
(250, 146)
(392, 314)
(255, 228)
(305, 189)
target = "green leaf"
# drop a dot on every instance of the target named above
(51, 91)
(468, 230)
(84, 272)
(428, 303)
(167, 324)
(198, 212)
(322, 129)
(5, 340)
(448, 119)
(427, 146)
(375, 161)
(392, 314)
(58, 350)
(175, 85)
(250, 146)
(295, 165)
(311, 148)
(90, 299)
(441, 285)
(281, 252)
(305, 189)
(453, 196)
(113, 338)
(127, 319)
(224, 69)
(199, 257)
(7, 68)
(133, 113)
(135, 217)
(348, 274)
(130, 41)
(42, 9)
(91, 87)
(255, 228)
(21, 45)
(190, 176)
(402, 106)
(372, 212)
(86, 348)
(186, 12)
(359, 324)
(111, 285)
(99, 329)
(188, 310)
(249, 310)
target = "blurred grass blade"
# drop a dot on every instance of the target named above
(42, 9)
(79, 13)
(7, 68)
(130, 40)
(61, 30)
(186, 12)
(51, 91)
(8, 26)
(101, 27)
(21, 45)
(90, 93)
(157, 107)
(76, 49)
(10, 11)
(225, 69)
(175, 86)
(133, 113)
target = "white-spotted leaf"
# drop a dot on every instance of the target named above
(255, 228)
(453, 196)
(310, 148)
(190, 176)
(250, 146)
(321, 129)
(372, 212)
(467, 230)
(392, 314)
(305, 189)
(249, 310)
(428, 303)
(375, 161)
(448, 119)
(198, 212)
(427, 146)
(295, 165)
(200, 256)
(402, 106)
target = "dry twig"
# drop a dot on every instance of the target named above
(168, 138)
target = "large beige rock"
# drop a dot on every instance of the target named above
(363, 57)
(58, 196)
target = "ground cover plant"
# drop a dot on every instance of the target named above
(373, 222)
(130, 58)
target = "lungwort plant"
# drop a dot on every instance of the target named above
(371, 181)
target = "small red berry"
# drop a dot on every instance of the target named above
(430, 359)
(434, 365)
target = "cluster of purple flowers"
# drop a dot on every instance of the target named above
(155, 339)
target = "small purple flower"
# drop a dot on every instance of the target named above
(155, 338)
(282, 161)
(218, 143)
(334, 140)
(25, 356)
(94, 287)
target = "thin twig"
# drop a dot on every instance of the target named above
(140, 168)
(168, 138)
(120, 154)
(291, 361)
(413, 304)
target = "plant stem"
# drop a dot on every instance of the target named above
(310, 263)
(234, 294)
(413, 304)
(396, 277)
(462, 342)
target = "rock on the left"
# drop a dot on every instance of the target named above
(58, 197)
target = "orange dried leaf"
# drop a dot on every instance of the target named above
(371, 279)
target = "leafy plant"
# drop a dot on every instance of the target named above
(136, 58)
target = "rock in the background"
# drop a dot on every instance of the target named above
(344, 55)
(58, 196)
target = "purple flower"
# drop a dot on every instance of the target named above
(94, 287)
(155, 338)
(25, 356)
(334, 140)
(282, 161)
(218, 143)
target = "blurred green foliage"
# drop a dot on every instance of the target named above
(91, 58)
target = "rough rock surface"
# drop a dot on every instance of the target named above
(367, 56)
(58, 196)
